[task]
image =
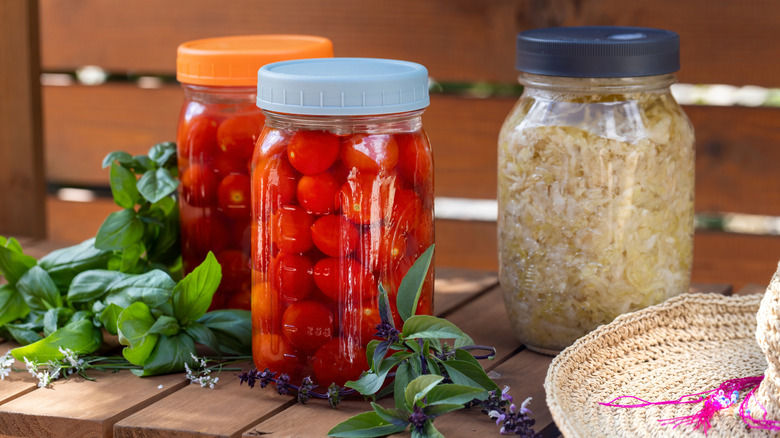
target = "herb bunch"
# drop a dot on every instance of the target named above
(126, 280)
(430, 377)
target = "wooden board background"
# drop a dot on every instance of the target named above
(722, 41)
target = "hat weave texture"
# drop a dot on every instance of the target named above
(688, 344)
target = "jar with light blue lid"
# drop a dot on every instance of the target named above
(342, 200)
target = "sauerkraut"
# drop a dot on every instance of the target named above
(595, 211)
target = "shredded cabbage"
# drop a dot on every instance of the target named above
(595, 211)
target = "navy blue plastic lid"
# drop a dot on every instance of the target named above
(598, 51)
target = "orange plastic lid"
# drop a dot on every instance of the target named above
(234, 60)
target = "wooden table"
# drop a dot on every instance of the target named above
(123, 405)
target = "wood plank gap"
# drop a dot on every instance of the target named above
(268, 415)
(109, 423)
(468, 300)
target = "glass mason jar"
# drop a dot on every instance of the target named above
(342, 200)
(595, 182)
(218, 126)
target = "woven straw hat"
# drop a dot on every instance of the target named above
(686, 345)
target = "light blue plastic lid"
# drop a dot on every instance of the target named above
(342, 86)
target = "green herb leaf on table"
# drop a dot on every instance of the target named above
(123, 186)
(120, 230)
(39, 290)
(170, 355)
(133, 327)
(13, 262)
(156, 184)
(412, 284)
(193, 295)
(64, 264)
(81, 337)
(12, 304)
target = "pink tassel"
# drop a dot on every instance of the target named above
(716, 401)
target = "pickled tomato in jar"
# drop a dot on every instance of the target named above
(218, 127)
(340, 204)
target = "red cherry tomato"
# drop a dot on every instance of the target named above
(202, 230)
(393, 279)
(317, 193)
(366, 198)
(240, 300)
(199, 185)
(334, 235)
(344, 280)
(313, 152)
(359, 322)
(338, 361)
(237, 136)
(262, 247)
(370, 152)
(233, 196)
(414, 158)
(308, 324)
(292, 229)
(266, 306)
(225, 165)
(274, 183)
(272, 351)
(198, 140)
(235, 270)
(380, 246)
(407, 210)
(293, 276)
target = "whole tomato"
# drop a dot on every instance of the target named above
(266, 306)
(338, 361)
(293, 276)
(370, 153)
(274, 183)
(414, 158)
(317, 193)
(344, 280)
(334, 235)
(199, 185)
(359, 322)
(237, 136)
(308, 324)
(312, 152)
(366, 198)
(233, 196)
(273, 351)
(292, 229)
(198, 137)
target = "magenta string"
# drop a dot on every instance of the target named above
(714, 400)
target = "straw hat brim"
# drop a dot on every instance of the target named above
(686, 345)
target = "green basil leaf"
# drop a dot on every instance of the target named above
(431, 327)
(13, 263)
(120, 156)
(367, 424)
(453, 394)
(419, 388)
(109, 317)
(165, 325)
(399, 417)
(120, 230)
(385, 314)
(92, 285)
(439, 409)
(55, 318)
(65, 263)
(22, 335)
(153, 288)
(429, 431)
(412, 283)
(81, 337)
(193, 295)
(131, 256)
(142, 163)
(133, 327)
(79, 315)
(39, 290)
(203, 335)
(12, 305)
(232, 328)
(163, 153)
(157, 184)
(123, 186)
(169, 356)
(406, 372)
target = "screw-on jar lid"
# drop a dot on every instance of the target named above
(342, 86)
(234, 60)
(598, 51)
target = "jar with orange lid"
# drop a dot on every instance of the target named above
(342, 200)
(217, 130)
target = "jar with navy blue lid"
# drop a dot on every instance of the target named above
(595, 182)
(342, 200)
